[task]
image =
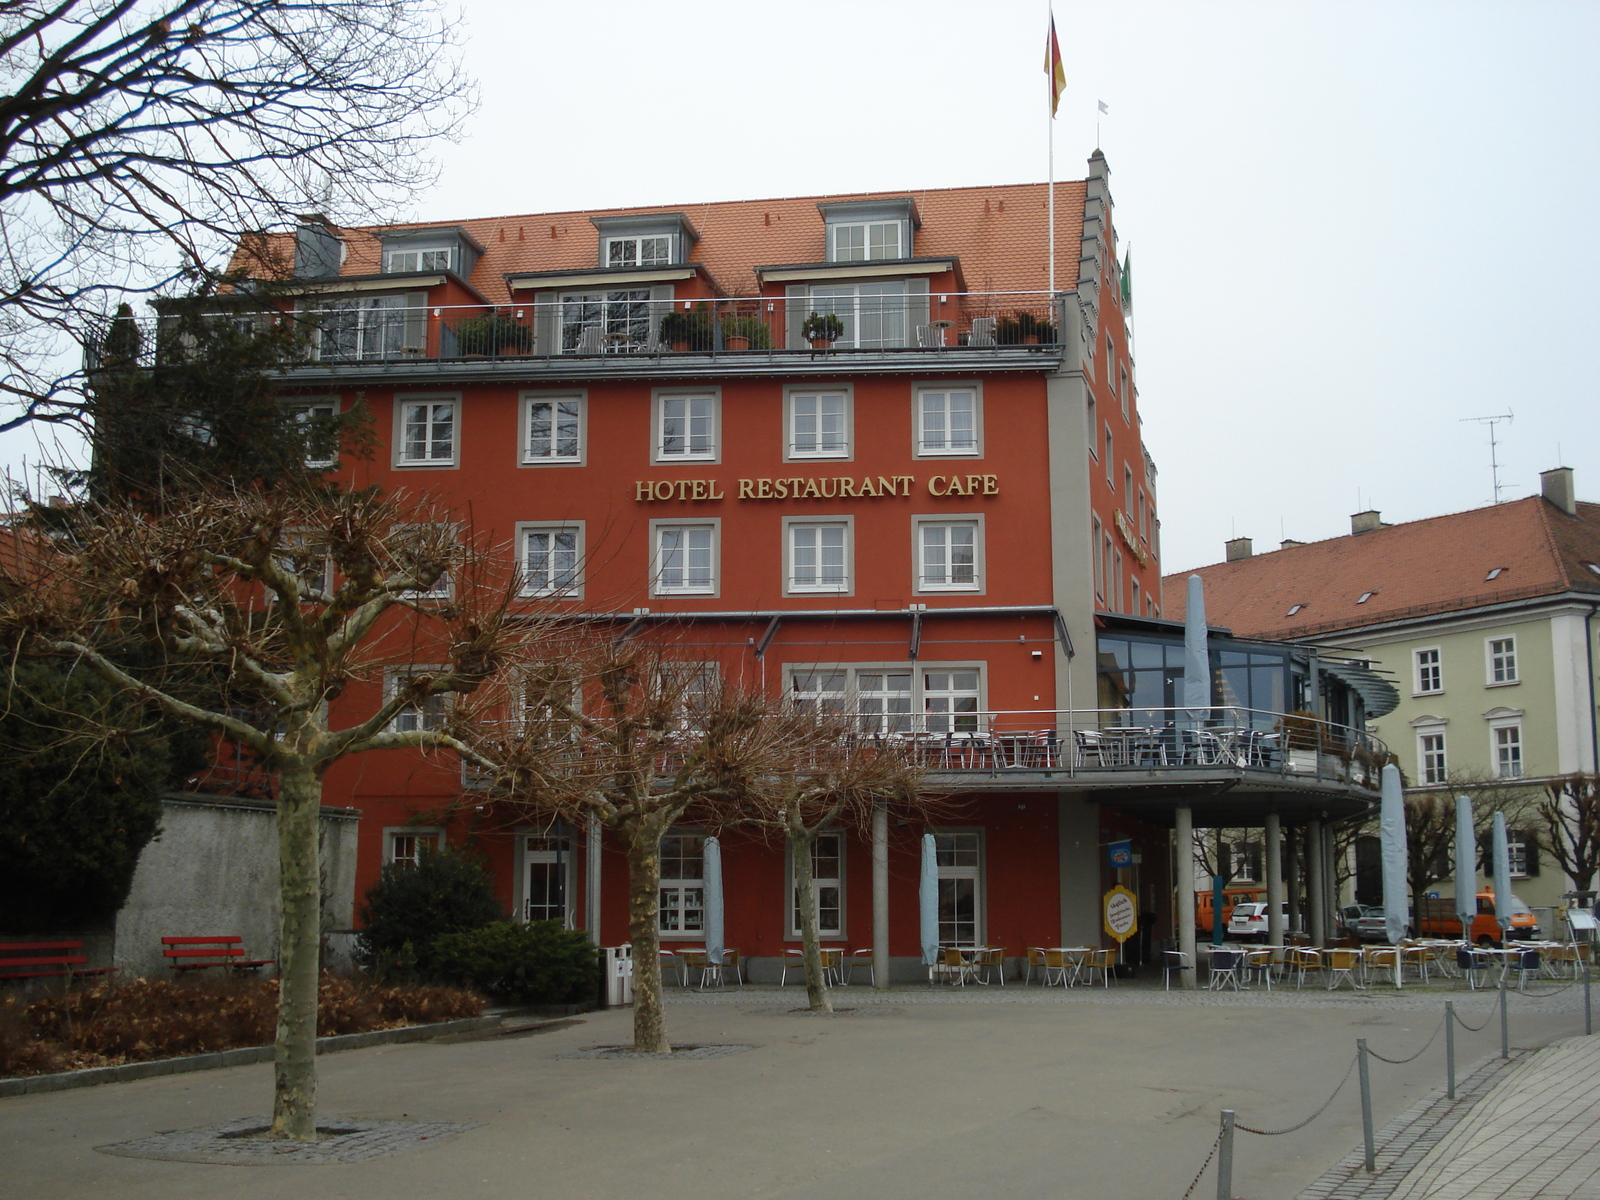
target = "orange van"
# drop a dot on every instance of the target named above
(1437, 918)
(1230, 897)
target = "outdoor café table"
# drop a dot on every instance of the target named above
(1134, 745)
(1074, 955)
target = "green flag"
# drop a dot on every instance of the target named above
(1127, 278)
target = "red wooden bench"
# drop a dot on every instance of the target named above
(197, 953)
(45, 960)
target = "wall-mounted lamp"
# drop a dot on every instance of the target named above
(1037, 653)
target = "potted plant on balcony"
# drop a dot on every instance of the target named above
(492, 333)
(745, 333)
(822, 330)
(1022, 328)
(687, 330)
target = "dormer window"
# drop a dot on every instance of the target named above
(414, 259)
(439, 249)
(639, 251)
(869, 230)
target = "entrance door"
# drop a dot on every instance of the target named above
(546, 880)
(960, 899)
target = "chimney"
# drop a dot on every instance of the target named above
(1366, 522)
(1556, 487)
(1289, 544)
(1238, 548)
(317, 248)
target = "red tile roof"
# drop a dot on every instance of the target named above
(999, 233)
(1438, 565)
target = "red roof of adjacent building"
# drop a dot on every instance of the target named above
(1437, 565)
(999, 233)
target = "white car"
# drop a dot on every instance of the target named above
(1248, 922)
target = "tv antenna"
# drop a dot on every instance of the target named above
(1494, 446)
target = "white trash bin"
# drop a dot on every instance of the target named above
(619, 975)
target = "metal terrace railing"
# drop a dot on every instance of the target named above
(397, 328)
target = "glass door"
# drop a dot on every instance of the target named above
(547, 880)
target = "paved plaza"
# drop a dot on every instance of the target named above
(910, 1093)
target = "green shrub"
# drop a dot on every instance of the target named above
(692, 327)
(540, 963)
(410, 908)
(750, 327)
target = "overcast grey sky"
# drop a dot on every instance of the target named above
(1353, 225)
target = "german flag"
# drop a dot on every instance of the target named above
(1054, 68)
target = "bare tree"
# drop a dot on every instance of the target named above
(285, 597)
(826, 775)
(618, 730)
(1569, 810)
(142, 140)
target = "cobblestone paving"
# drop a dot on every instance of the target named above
(1405, 1141)
(679, 1053)
(230, 1143)
(1536, 1136)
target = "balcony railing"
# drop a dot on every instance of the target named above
(849, 320)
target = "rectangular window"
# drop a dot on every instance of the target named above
(368, 328)
(1116, 581)
(683, 892)
(1127, 489)
(685, 560)
(639, 251)
(947, 421)
(1094, 426)
(1508, 751)
(552, 430)
(547, 870)
(1133, 607)
(315, 421)
(947, 556)
(406, 846)
(552, 559)
(1430, 753)
(819, 425)
(950, 701)
(1517, 856)
(1111, 364)
(883, 699)
(895, 699)
(827, 872)
(610, 322)
(819, 556)
(1503, 660)
(873, 314)
(1095, 538)
(826, 691)
(865, 241)
(1125, 393)
(693, 690)
(424, 714)
(686, 428)
(425, 552)
(1144, 518)
(431, 258)
(959, 859)
(305, 555)
(427, 433)
(1111, 472)
(1429, 671)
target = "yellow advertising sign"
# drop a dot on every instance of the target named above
(1121, 908)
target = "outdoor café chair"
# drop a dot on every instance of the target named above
(700, 960)
(1225, 969)
(1381, 962)
(958, 968)
(733, 963)
(1304, 961)
(1526, 963)
(1058, 964)
(993, 958)
(859, 959)
(1091, 748)
(671, 963)
(1258, 966)
(1104, 961)
(982, 331)
(1034, 961)
(792, 959)
(1173, 960)
(1341, 964)
(1474, 965)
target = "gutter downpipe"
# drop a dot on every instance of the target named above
(1594, 713)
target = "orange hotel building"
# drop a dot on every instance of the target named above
(930, 516)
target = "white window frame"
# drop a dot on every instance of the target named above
(657, 531)
(662, 401)
(306, 543)
(1426, 772)
(794, 400)
(1096, 535)
(921, 447)
(443, 588)
(419, 836)
(429, 716)
(680, 885)
(402, 458)
(886, 302)
(793, 526)
(301, 412)
(1125, 393)
(836, 882)
(1501, 666)
(391, 256)
(1506, 749)
(840, 692)
(1517, 852)
(1111, 454)
(553, 848)
(526, 457)
(573, 589)
(1421, 670)
(975, 873)
(1092, 420)
(870, 231)
(919, 581)
(637, 241)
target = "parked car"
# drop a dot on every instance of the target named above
(1230, 897)
(1248, 922)
(1364, 921)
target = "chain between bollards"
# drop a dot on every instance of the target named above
(1366, 1107)
(1225, 1157)
(1450, 1048)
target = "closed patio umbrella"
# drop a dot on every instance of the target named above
(1466, 866)
(1196, 653)
(1392, 840)
(1502, 875)
(928, 896)
(713, 900)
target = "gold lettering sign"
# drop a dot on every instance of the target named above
(815, 487)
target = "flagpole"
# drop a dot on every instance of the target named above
(1050, 141)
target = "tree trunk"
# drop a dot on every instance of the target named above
(294, 1101)
(805, 886)
(644, 904)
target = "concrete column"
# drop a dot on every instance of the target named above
(1295, 916)
(1274, 851)
(880, 896)
(1316, 898)
(1183, 854)
(591, 878)
(1330, 886)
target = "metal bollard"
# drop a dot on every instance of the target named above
(1225, 1158)
(1505, 1028)
(1366, 1106)
(1450, 1048)
(1588, 1019)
